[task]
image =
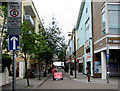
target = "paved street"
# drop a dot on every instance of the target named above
(71, 83)
(22, 83)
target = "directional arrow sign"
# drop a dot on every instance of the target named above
(14, 42)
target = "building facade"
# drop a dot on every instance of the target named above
(84, 37)
(106, 37)
(29, 14)
(98, 38)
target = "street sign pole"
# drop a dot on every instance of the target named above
(14, 71)
(108, 57)
(14, 30)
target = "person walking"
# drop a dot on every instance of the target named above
(88, 73)
(53, 71)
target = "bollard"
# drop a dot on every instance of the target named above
(88, 77)
(71, 72)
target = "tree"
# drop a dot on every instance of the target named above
(3, 17)
(27, 43)
(62, 52)
(54, 41)
(40, 48)
(48, 43)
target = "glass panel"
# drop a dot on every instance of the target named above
(103, 32)
(103, 22)
(87, 25)
(114, 14)
(114, 31)
(114, 19)
(113, 7)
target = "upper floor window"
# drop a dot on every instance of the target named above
(103, 22)
(86, 10)
(113, 16)
(77, 43)
(87, 27)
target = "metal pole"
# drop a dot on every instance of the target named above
(107, 63)
(75, 52)
(39, 72)
(14, 71)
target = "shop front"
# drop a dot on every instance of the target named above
(80, 65)
(114, 63)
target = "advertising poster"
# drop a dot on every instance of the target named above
(97, 67)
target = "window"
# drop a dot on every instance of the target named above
(86, 10)
(87, 25)
(113, 18)
(113, 15)
(103, 22)
(78, 43)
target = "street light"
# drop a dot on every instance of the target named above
(74, 51)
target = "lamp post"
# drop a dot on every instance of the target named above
(71, 70)
(75, 51)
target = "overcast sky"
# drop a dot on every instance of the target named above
(65, 12)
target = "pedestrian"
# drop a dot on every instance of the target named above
(53, 71)
(88, 73)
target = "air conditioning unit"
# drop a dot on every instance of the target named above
(29, 19)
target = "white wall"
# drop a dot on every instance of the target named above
(28, 65)
(21, 69)
(4, 77)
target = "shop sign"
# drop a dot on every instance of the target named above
(88, 56)
(81, 61)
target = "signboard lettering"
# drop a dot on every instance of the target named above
(14, 18)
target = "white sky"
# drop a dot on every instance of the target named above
(65, 12)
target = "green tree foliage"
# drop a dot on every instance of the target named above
(3, 38)
(3, 11)
(27, 38)
(27, 43)
(3, 14)
(4, 58)
(49, 43)
(62, 52)
(53, 38)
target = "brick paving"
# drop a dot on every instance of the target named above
(83, 78)
(22, 83)
(69, 82)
